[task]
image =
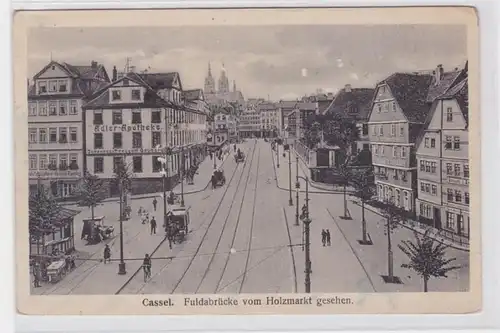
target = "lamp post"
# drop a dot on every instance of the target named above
(307, 222)
(182, 175)
(277, 153)
(164, 172)
(297, 186)
(121, 266)
(290, 201)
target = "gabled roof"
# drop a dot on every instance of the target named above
(410, 92)
(193, 94)
(266, 106)
(60, 65)
(307, 106)
(354, 102)
(287, 104)
(161, 80)
(447, 80)
(460, 92)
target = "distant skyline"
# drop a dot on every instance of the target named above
(282, 62)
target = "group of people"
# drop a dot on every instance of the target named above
(325, 237)
(146, 219)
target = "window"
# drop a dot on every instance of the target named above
(116, 95)
(125, 82)
(62, 86)
(427, 188)
(73, 134)
(458, 196)
(466, 198)
(403, 175)
(42, 135)
(63, 135)
(466, 171)
(98, 143)
(136, 140)
(457, 170)
(33, 162)
(155, 139)
(450, 220)
(422, 187)
(63, 161)
(136, 117)
(63, 108)
(449, 168)
(382, 150)
(136, 95)
(375, 149)
(137, 164)
(98, 117)
(117, 162)
(32, 109)
(52, 86)
(52, 108)
(32, 135)
(42, 109)
(379, 108)
(449, 114)
(427, 166)
(394, 151)
(403, 151)
(426, 144)
(156, 116)
(456, 142)
(73, 161)
(448, 143)
(117, 117)
(43, 162)
(450, 195)
(72, 107)
(364, 131)
(42, 87)
(52, 135)
(422, 165)
(393, 106)
(381, 129)
(395, 176)
(117, 140)
(433, 167)
(433, 143)
(98, 164)
(156, 164)
(393, 130)
(402, 130)
(434, 190)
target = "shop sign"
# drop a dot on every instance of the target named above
(127, 128)
(131, 151)
(55, 174)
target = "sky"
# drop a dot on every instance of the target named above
(279, 62)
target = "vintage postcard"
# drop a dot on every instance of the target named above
(228, 161)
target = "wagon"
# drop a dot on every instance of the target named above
(177, 223)
(239, 157)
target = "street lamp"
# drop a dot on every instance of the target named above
(164, 172)
(182, 175)
(307, 222)
(297, 186)
(277, 153)
(287, 147)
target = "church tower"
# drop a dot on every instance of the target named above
(209, 82)
(234, 85)
(223, 81)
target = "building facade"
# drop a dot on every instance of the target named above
(250, 123)
(269, 119)
(443, 159)
(221, 93)
(133, 121)
(55, 130)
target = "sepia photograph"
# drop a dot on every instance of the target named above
(247, 166)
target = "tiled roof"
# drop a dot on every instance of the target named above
(287, 104)
(460, 92)
(193, 94)
(356, 102)
(84, 72)
(159, 80)
(410, 91)
(266, 106)
(436, 89)
(306, 106)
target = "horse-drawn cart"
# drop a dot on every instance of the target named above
(177, 223)
(56, 270)
(239, 157)
(218, 178)
(94, 230)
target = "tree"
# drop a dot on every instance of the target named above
(341, 132)
(43, 212)
(363, 185)
(91, 191)
(123, 177)
(393, 216)
(312, 135)
(427, 257)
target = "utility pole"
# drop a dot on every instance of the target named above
(290, 201)
(121, 266)
(277, 153)
(307, 223)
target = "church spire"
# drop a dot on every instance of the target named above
(209, 69)
(234, 85)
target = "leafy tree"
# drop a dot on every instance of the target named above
(427, 257)
(43, 212)
(91, 191)
(340, 131)
(312, 135)
(393, 217)
(363, 185)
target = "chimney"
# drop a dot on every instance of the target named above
(347, 88)
(330, 96)
(438, 73)
(93, 64)
(115, 74)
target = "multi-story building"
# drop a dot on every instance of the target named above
(304, 111)
(55, 124)
(133, 120)
(284, 111)
(269, 117)
(443, 160)
(195, 100)
(397, 116)
(250, 123)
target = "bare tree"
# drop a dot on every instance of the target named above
(363, 184)
(91, 191)
(426, 257)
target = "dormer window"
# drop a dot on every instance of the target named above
(52, 86)
(42, 87)
(125, 82)
(116, 95)
(62, 86)
(136, 94)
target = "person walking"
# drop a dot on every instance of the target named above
(323, 236)
(36, 277)
(107, 254)
(328, 237)
(155, 202)
(153, 226)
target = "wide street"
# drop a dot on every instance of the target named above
(243, 239)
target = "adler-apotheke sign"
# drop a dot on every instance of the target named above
(127, 128)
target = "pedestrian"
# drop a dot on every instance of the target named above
(328, 237)
(211, 156)
(154, 203)
(36, 277)
(214, 181)
(107, 254)
(153, 226)
(323, 237)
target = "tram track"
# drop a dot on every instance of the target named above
(226, 261)
(214, 214)
(206, 232)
